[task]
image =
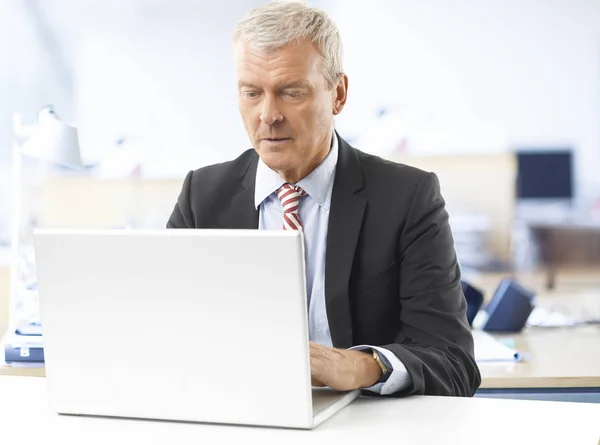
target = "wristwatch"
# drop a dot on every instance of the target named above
(385, 371)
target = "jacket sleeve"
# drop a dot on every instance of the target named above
(435, 342)
(182, 216)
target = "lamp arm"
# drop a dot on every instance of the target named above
(15, 235)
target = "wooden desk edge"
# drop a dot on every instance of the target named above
(540, 382)
(22, 371)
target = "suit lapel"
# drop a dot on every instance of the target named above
(345, 221)
(243, 214)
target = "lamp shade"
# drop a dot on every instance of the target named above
(55, 142)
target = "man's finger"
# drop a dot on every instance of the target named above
(317, 364)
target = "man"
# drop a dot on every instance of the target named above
(386, 310)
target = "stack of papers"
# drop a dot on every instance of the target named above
(544, 318)
(23, 341)
(490, 350)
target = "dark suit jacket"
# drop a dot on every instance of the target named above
(391, 273)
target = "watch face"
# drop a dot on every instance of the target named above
(385, 371)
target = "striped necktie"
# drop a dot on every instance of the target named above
(290, 200)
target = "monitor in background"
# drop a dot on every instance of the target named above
(545, 174)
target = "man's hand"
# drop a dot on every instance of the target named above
(343, 370)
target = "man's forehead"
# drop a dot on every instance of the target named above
(292, 55)
(286, 66)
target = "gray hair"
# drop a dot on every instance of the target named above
(279, 23)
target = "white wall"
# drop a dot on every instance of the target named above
(525, 71)
(478, 76)
(164, 80)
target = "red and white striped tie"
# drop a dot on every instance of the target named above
(290, 200)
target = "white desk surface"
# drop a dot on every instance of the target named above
(413, 420)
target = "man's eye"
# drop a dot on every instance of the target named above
(293, 94)
(250, 94)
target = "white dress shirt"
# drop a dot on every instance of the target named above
(314, 215)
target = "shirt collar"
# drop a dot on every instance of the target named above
(318, 184)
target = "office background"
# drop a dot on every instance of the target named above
(486, 94)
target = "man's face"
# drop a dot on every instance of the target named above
(286, 106)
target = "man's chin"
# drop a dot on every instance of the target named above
(275, 160)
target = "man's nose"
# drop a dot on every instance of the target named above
(270, 113)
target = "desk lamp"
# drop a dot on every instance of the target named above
(51, 141)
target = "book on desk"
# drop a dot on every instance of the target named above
(25, 345)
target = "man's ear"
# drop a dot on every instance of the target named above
(341, 94)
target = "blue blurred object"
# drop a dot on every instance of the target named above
(510, 307)
(20, 354)
(474, 299)
(545, 174)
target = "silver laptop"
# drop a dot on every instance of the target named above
(186, 325)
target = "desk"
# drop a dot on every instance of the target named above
(414, 420)
(556, 358)
(560, 364)
(21, 371)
